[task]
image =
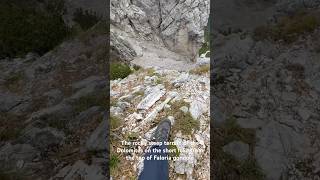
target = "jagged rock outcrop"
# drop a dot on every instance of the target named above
(179, 25)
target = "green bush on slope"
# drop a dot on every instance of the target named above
(119, 70)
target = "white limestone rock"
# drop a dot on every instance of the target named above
(155, 94)
(197, 108)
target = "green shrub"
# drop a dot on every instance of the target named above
(25, 29)
(86, 19)
(119, 70)
(114, 161)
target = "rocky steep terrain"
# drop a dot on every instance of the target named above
(140, 101)
(265, 92)
(163, 38)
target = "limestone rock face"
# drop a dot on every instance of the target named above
(178, 25)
